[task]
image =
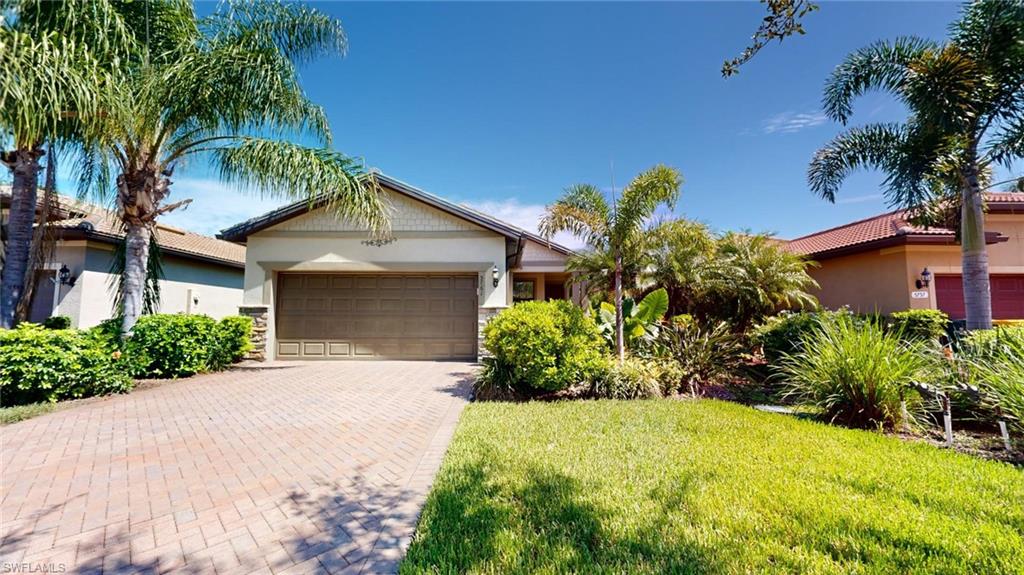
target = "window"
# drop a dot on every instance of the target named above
(522, 290)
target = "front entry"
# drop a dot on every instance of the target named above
(377, 316)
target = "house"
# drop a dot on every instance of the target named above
(324, 289)
(878, 264)
(200, 274)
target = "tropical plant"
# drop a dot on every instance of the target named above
(640, 321)
(613, 229)
(678, 253)
(999, 373)
(752, 277)
(859, 374)
(966, 104)
(632, 378)
(700, 355)
(224, 88)
(923, 324)
(51, 81)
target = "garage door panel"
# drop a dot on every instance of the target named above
(1007, 296)
(382, 316)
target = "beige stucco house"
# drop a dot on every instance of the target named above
(877, 264)
(200, 274)
(330, 291)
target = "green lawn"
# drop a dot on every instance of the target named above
(707, 487)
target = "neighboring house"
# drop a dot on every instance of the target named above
(200, 274)
(877, 264)
(332, 292)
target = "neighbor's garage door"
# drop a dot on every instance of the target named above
(1007, 296)
(376, 316)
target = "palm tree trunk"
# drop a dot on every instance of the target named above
(136, 260)
(620, 347)
(977, 295)
(24, 165)
(41, 250)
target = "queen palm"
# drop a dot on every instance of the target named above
(225, 89)
(615, 229)
(966, 114)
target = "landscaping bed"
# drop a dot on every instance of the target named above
(705, 486)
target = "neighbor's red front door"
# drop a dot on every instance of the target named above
(1007, 296)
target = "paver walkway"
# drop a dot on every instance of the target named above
(313, 467)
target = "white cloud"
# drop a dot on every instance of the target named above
(790, 122)
(859, 199)
(215, 205)
(525, 216)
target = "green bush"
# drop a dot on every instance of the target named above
(919, 324)
(631, 379)
(38, 364)
(858, 373)
(57, 322)
(544, 346)
(991, 342)
(698, 355)
(235, 334)
(1000, 377)
(783, 334)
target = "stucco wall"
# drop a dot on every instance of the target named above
(867, 282)
(425, 240)
(90, 301)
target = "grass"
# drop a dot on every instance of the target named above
(21, 412)
(704, 486)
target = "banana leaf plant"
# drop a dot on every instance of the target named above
(641, 322)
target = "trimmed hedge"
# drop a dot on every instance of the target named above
(919, 324)
(38, 364)
(178, 345)
(542, 346)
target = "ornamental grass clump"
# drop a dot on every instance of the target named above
(859, 374)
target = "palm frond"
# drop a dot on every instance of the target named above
(870, 146)
(296, 31)
(297, 172)
(655, 187)
(882, 65)
(582, 211)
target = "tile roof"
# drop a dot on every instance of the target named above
(96, 222)
(881, 227)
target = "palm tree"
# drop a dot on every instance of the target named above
(678, 254)
(224, 88)
(751, 277)
(613, 229)
(45, 77)
(966, 103)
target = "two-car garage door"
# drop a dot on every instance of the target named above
(376, 316)
(1007, 296)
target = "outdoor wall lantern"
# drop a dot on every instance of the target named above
(65, 276)
(494, 275)
(926, 279)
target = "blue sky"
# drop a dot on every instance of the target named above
(503, 105)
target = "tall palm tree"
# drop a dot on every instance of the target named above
(224, 88)
(613, 228)
(679, 253)
(966, 103)
(53, 55)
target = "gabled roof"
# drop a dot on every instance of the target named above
(893, 228)
(240, 232)
(74, 219)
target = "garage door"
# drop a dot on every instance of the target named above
(377, 316)
(1007, 296)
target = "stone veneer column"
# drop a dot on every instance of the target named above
(484, 315)
(260, 315)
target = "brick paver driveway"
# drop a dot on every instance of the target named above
(315, 467)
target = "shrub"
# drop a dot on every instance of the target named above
(38, 364)
(631, 379)
(919, 324)
(57, 322)
(175, 345)
(699, 355)
(859, 374)
(784, 333)
(235, 336)
(544, 346)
